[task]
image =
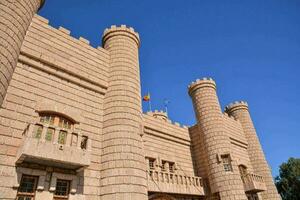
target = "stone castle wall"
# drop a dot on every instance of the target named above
(50, 71)
(59, 72)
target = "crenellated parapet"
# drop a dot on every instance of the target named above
(237, 105)
(120, 30)
(66, 31)
(200, 83)
(163, 116)
(159, 114)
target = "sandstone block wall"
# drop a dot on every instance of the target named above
(239, 110)
(43, 68)
(123, 163)
(15, 17)
(55, 70)
(166, 141)
(210, 121)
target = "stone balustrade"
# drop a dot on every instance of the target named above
(70, 154)
(166, 182)
(253, 183)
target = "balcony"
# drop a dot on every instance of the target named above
(166, 182)
(73, 153)
(253, 183)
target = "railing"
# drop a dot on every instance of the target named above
(71, 152)
(160, 181)
(253, 182)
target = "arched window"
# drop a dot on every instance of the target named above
(53, 122)
(56, 128)
(56, 120)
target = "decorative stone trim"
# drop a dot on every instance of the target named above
(70, 177)
(33, 172)
(69, 112)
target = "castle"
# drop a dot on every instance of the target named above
(72, 126)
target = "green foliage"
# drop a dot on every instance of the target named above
(288, 181)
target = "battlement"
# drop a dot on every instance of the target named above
(67, 32)
(159, 114)
(162, 115)
(199, 83)
(120, 30)
(237, 105)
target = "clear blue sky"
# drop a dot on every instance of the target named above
(250, 48)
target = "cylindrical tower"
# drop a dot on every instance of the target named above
(223, 174)
(123, 173)
(239, 110)
(16, 16)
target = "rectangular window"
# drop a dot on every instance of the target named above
(151, 163)
(49, 134)
(38, 129)
(62, 137)
(163, 167)
(27, 188)
(226, 162)
(51, 119)
(74, 139)
(172, 167)
(62, 189)
(64, 123)
(83, 144)
(61, 122)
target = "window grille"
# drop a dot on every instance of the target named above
(226, 162)
(27, 188)
(62, 189)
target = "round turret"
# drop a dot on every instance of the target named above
(122, 118)
(237, 105)
(217, 144)
(240, 111)
(16, 17)
(200, 83)
(122, 30)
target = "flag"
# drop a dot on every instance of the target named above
(146, 97)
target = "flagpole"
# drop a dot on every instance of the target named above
(150, 109)
(149, 102)
(166, 109)
(166, 102)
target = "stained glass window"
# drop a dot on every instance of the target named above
(49, 134)
(38, 129)
(62, 137)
